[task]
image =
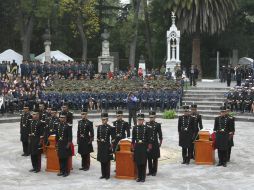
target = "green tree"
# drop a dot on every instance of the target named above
(134, 37)
(84, 20)
(202, 16)
(27, 12)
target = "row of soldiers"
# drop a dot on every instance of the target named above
(63, 69)
(146, 139)
(241, 98)
(151, 98)
(191, 122)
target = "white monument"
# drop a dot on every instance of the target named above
(47, 44)
(173, 47)
(105, 61)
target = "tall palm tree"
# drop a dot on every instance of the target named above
(201, 16)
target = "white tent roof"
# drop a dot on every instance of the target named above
(10, 55)
(245, 61)
(57, 55)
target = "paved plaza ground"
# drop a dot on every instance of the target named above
(171, 173)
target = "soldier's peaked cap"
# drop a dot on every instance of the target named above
(152, 113)
(119, 112)
(104, 115)
(140, 116)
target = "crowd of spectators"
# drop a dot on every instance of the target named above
(27, 82)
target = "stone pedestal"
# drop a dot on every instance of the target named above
(47, 45)
(105, 61)
(105, 64)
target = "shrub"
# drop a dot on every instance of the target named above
(169, 114)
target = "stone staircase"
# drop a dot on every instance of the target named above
(209, 100)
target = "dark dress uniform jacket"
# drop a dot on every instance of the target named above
(155, 134)
(140, 139)
(64, 140)
(197, 123)
(35, 132)
(222, 127)
(186, 131)
(24, 126)
(85, 136)
(104, 132)
(121, 129)
(51, 127)
(231, 138)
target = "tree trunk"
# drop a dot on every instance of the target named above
(26, 31)
(148, 34)
(83, 39)
(196, 54)
(133, 43)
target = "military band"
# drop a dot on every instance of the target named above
(146, 138)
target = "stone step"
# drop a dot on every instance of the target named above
(210, 88)
(214, 103)
(243, 118)
(204, 107)
(204, 96)
(205, 92)
(208, 99)
(204, 112)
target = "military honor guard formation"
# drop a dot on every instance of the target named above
(41, 125)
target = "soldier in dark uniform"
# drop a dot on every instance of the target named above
(140, 145)
(42, 118)
(35, 146)
(231, 134)
(85, 137)
(186, 134)
(51, 125)
(197, 125)
(63, 143)
(69, 115)
(105, 145)
(155, 135)
(24, 129)
(223, 129)
(121, 127)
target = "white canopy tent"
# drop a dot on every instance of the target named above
(55, 55)
(10, 55)
(245, 61)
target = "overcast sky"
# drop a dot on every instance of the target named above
(125, 1)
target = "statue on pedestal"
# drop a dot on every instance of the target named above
(105, 61)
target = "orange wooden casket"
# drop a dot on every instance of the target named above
(52, 164)
(125, 165)
(204, 151)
